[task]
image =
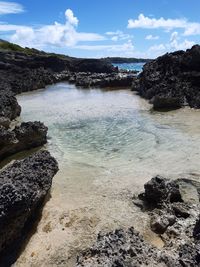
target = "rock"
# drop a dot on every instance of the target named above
(5, 122)
(23, 187)
(26, 136)
(172, 219)
(166, 103)
(29, 70)
(9, 108)
(103, 80)
(160, 220)
(181, 210)
(196, 231)
(160, 190)
(119, 248)
(172, 80)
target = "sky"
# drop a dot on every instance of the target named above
(101, 28)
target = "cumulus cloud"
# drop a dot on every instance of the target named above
(70, 17)
(57, 34)
(190, 28)
(152, 23)
(10, 8)
(175, 44)
(151, 37)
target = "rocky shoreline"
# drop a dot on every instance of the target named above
(169, 82)
(172, 81)
(26, 183)
(173, 208)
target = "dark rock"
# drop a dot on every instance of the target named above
(160, 220)
(181, 210)
(196, 231)
(9, 108)
(119, 248)
(166, 103)
(22, 72)
(5, 122)
(172, 80)
(173, 218)
(103, 80)
(23, 187)
(26, 136)
(160, 190)
(189, 255)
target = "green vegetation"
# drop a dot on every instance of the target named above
(4, 45)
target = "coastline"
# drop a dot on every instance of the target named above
(25, 131)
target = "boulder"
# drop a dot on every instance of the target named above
(172, 80)
(26, 136)
(9, 108)
(23, 187)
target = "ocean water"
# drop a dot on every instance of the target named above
(108, 144)
(130, 66)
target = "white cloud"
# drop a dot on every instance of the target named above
(151, 37)
(57, 34)
(70, 17)
(10, 8)
(118, 35)
(152, 23)
(176, 45)
(190, 28)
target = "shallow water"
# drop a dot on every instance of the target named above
(130, 66)
(108, 144)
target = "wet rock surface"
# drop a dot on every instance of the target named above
(174, 216)
(173, 80)
(26, 136)
(23, 187)
(103, 80)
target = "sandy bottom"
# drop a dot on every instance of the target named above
(108, 144)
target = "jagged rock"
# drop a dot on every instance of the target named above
(174, 220)
(5, 122)
(160, 190)
(120, 248)
(160, 220)
(24, 71)
(172, 80)
(9, 108)
(23, 187)
(26, 136)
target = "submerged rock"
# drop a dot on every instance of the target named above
(26, 136)
(172, 80)
(23, 187)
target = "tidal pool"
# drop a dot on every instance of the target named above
(108, 144)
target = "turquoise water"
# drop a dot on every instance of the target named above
(130, 66)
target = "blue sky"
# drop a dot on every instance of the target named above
(89, 28)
